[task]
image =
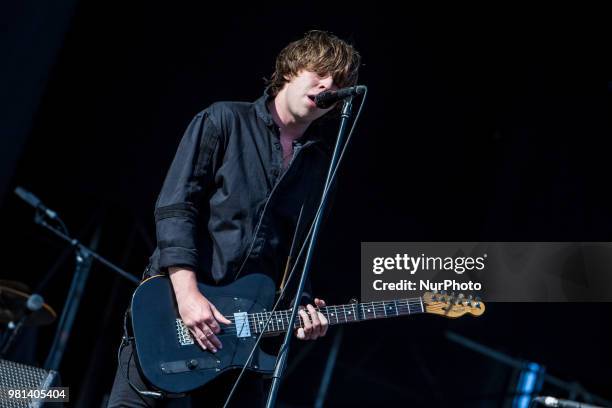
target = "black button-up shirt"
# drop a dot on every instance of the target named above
(227, 207)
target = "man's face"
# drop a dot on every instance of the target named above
(300, 92)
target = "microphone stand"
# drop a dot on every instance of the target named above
(82, 249)
(281, 361)
(84, 257)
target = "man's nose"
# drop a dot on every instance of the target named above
(326, 83)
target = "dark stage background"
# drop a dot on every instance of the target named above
(480, 126)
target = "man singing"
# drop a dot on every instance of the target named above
(231, 199)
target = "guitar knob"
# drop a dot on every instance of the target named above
(192, 364)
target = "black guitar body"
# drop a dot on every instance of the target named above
(173, 362)
(169, 357)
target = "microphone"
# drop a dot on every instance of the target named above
(35, 302)
(326, 99)
(561, 403)
(34, 201)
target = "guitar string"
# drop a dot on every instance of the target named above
(256, 320)
(377, 304)
(350, 305)
(332, 310)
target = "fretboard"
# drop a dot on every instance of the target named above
(352, 312)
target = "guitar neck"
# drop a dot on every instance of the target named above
(278, 322)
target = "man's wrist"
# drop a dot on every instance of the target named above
(183, 280)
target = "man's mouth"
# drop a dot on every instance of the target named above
(312, 98)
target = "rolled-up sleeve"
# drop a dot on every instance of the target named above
(178, 204)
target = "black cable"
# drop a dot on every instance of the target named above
(125, 340)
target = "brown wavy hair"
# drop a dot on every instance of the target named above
(319, 52)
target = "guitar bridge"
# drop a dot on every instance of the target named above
(183, 334)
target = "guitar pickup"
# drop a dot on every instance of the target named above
(243, 328)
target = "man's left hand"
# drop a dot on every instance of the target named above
(315, 324)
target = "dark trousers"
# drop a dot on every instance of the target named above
(249, 393)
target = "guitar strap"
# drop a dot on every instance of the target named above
(282, 283)
(291, 251)
(300, 234)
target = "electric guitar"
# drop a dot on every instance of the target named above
(172, 361)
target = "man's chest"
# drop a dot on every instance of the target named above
(287, 150)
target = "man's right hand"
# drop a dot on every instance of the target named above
(199, 315)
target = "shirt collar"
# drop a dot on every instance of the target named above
(261, 107)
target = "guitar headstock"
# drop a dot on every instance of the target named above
(452, 305)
